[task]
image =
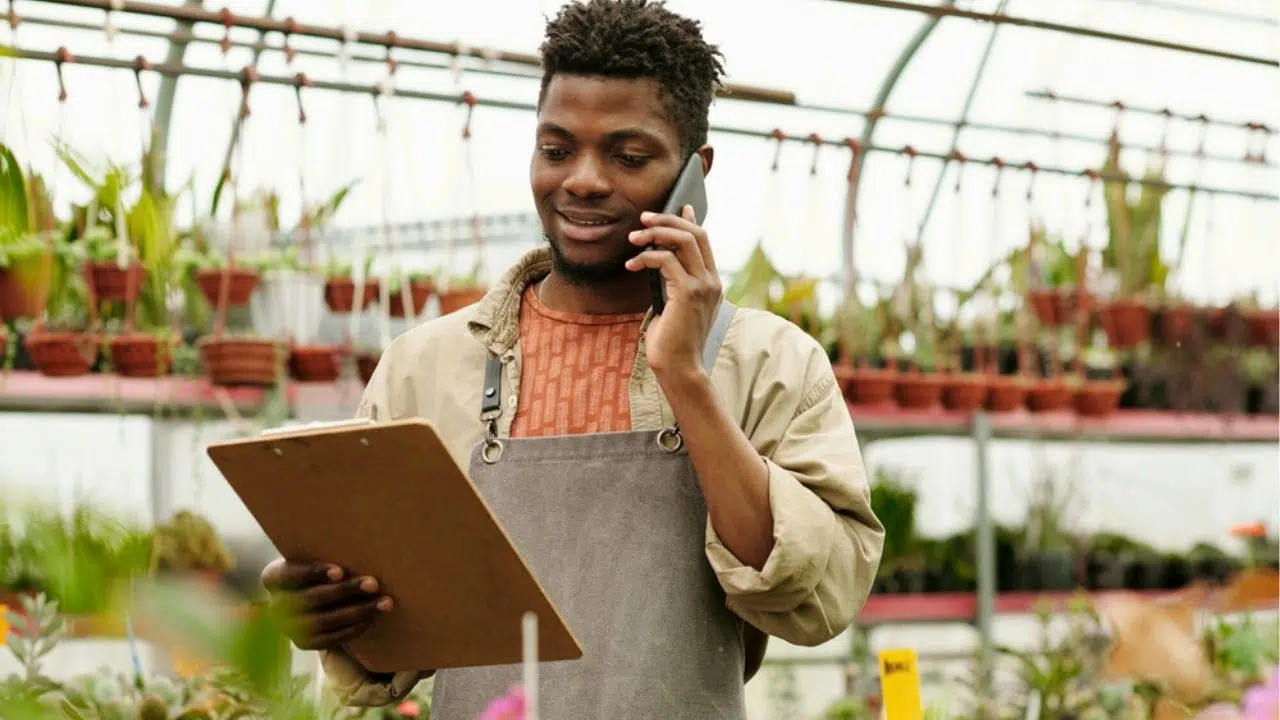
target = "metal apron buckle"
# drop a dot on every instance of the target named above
(670, 440)
(492, 450)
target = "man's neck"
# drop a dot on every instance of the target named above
(623, 296)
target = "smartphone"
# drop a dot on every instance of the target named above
(690, 189)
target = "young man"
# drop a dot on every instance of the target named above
(683, 484)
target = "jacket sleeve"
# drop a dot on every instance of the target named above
(827, 540)
(347, 679)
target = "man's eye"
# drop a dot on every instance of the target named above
(632, 160)
(553, 153)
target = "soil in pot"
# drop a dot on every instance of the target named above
(62, 354)
(340, 294)
(140, 355)
(867, 387)
(240, 288)
(458, 298)
(1126, 321)
(918, 391)
(964, 392)
(1048, 395)
(241, 361)
(365, 365)
(112, 282)
(419, 292)
(316, 363)
(1098, 398)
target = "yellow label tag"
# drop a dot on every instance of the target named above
(900, 685)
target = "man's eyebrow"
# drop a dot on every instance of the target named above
(634, 133)
(553, 129)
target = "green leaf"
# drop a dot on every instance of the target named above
(15, 215)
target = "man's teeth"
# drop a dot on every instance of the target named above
(590, 222)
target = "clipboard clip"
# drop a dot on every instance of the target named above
(358, 422)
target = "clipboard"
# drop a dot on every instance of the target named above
(388, 500)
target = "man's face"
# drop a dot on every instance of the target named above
(605, 152)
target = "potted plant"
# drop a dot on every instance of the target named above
(860, 370)
(188, 544)
(1047, 543)
(1098, 388)
(216, 275)
(340, 286)
(64, 343)
(894, 502)
(416, 285)
(1132, 254)
(462, 290)
(1053, 292)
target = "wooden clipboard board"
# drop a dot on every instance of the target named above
(388, 500)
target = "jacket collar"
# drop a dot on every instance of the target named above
(496, 322)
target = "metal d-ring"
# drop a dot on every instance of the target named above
(670, 439)
(491, 452)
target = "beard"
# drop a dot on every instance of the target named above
(594, 273)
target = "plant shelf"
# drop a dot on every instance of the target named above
(963, 607)
(22, 390)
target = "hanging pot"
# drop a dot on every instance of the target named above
(1264, 327)
(23, 285)
(239, 289)
(1048, 395)
(112, 282)
(1098, 398)
(1005, 393)
(867, 387)
(1044, 303)
(454, 300)
(964, 392)
(366, 363)
(1126, 321)
(419, 292)
(241, 361)
(340, 294)
(140, 355)
(918, 391)
(62, 354)
(316, 363)
(1174, 324)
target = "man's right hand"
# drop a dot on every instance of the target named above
(327, 607)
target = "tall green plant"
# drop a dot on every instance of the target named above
(1133, 247)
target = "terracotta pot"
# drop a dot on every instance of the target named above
(964, 392)
(1006, 393)
(241, 361)
(112, 282)
(240, 289)
(140, 355)
(419, 292)
(4, 344)
(340, 294)
(1048, 395)
(62, 354)
(1098, 398)
(365, 365)
(1044, 303)
(454, 300)
(316, 363)
(866, 387)
(1264, 327)
(917, 390)
(1175, 323)
(1127, 322)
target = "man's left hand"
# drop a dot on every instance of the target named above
(680, 250)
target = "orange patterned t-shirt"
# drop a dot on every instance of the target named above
(575, 371)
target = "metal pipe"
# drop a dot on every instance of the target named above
(389, 40)
(985, 541)
(371, 90)
(1068, 29)
(165, 96)
(181, 36)
(1141, 110)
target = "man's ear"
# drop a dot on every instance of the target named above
(707, 153)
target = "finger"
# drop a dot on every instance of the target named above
(319, 597)
(665, 262)
(281, 575)
(682, 243)
(684, 222)
(335, 620)
(331, 640)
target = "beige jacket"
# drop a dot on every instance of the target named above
(773, 377)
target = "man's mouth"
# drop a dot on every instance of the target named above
(586, 227)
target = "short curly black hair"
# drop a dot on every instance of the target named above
(638, 39)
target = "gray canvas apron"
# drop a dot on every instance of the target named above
(613, 526)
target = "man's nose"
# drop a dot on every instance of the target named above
(587, 178)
